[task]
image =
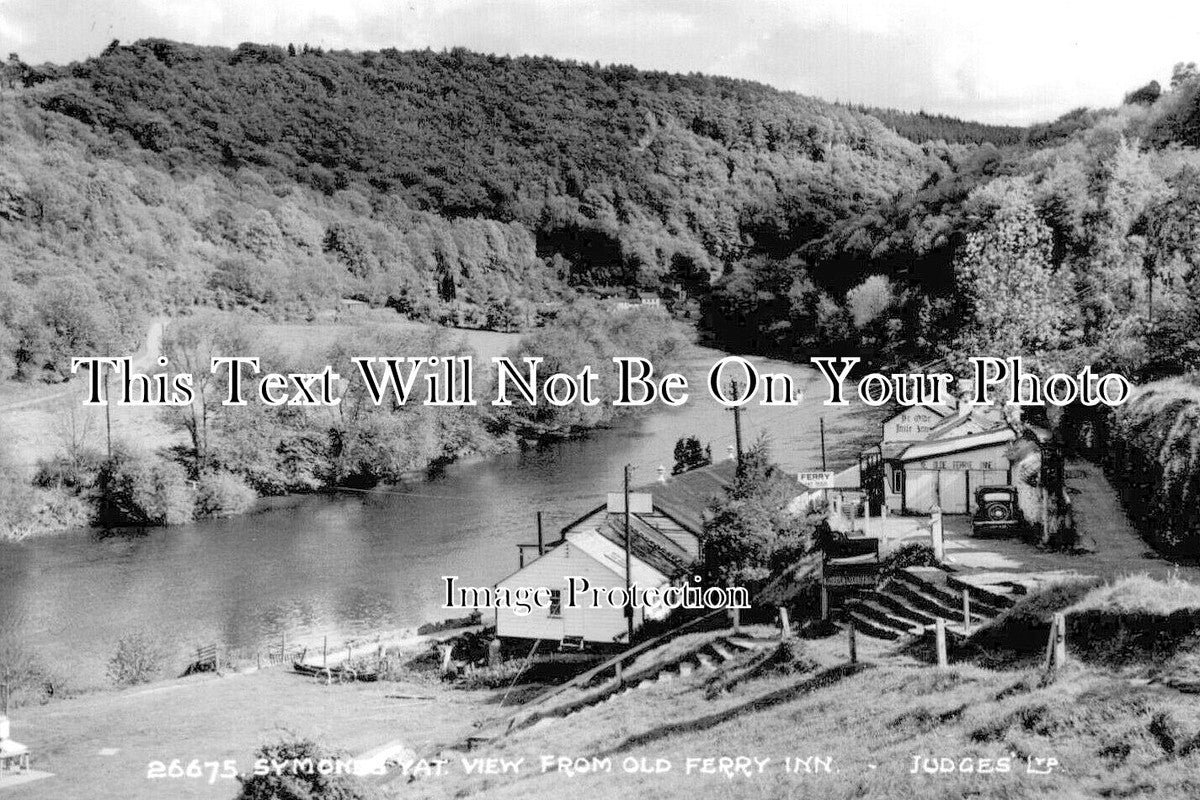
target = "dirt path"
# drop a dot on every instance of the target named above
(143, 360)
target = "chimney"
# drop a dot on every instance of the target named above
(662, 474)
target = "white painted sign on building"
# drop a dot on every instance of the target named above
(815, 480)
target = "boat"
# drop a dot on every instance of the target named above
(340, 672)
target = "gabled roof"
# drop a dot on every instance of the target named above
(646, 543)
(612, 556)
(600, 549)
(958, 444)
(685, 497)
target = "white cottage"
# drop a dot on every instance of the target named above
(666, 522)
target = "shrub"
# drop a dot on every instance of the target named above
(301, 781)
(219, 494)
(913, 554)
(148, 491)
(138, 659)
(28, 678)
(1155, 461)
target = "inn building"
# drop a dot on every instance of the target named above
(929, 455)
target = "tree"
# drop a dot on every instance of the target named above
(869, 300)
(690, 454)
(750, 533)
(190, 345)
(1144, 95)
(1017, 304)
(1182, 73)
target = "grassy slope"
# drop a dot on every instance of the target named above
(1103, 732)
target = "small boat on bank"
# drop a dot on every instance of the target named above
(341, 673)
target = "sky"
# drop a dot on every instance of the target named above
(1015, 62)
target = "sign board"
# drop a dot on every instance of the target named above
(815, 480)
(639, 503)
(852, 579)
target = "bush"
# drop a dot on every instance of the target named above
(913, 554)
(219, 494)
(148, 491)
(28, 678)
(1155, 462)
(138, 659)
(301, 782)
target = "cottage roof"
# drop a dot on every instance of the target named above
(612, 556)
(685, 497)
(646, 543)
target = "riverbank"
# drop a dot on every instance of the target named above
(62, 443)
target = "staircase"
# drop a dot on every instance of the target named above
(911, 602)
(713, 656)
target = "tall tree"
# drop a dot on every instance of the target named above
(1017, 303)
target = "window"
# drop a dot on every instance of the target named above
(961, 465)
(555, 602)
(897, 481)
(985, 465)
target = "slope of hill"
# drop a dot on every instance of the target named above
(921, 126)
(624, 174)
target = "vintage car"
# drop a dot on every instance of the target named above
(996, 511)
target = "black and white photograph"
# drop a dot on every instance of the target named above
(529, 399)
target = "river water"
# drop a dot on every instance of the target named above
(353, 565)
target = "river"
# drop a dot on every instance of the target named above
(352, 565)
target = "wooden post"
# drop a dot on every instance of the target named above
(940, 641)
(735, 618)
(785, 625)
(1045, 520)
(324, 651)
(541, 546)
(620, 673)
(966, 612)
(824, 602)
(1056, 647)
(349, 653)
(258, 658)
(853, 643)
(935, 533)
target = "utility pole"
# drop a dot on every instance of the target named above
(737, 423)
(1150, 300)
(628, 566)
(108, 416)
(541, 547)
(105, 499)
(824, 468)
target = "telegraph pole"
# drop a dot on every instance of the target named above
(737, 423)
(823, 467)
(628, 566)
